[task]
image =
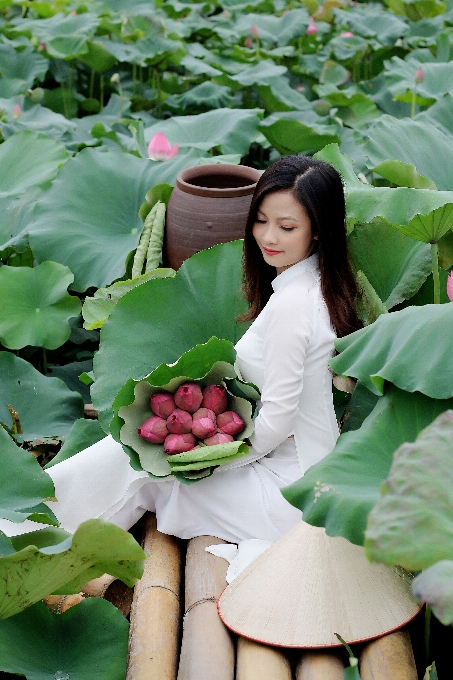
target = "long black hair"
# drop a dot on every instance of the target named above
(318, 187)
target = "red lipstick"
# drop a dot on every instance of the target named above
(271, 252)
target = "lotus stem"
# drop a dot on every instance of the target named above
(101, 95)
(435, 268)
(91, 92)
(414, 97)
(427, 633)
(44, 361)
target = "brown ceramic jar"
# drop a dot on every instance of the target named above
(208, 205)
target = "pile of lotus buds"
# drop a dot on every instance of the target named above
(190, 418)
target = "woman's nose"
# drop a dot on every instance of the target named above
(270, 235)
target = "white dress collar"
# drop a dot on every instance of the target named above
(311, 262)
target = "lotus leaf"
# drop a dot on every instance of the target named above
(295, 132)
(36, 305)
(45, 406)
(84, 433)
(400, 74)
(207, 364)
(65, 37)
(409, 348)
(161, 319)
(420, 145)
(439, 114)
(339, 491)
(87, 642)
(89, 220)
(40, 566)
(271, 28)
(411, 525)
(417, 9)
(435, 587)
(38, 119)
(19, 70)
(372, 22)
(23, 485)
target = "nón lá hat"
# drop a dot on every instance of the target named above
(308, 586)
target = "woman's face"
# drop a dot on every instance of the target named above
(282, 230)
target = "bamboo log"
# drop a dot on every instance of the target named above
(258, 662)
(111, 589)
(389, 658)
(320, 665)
(156, 610)
(207, 651)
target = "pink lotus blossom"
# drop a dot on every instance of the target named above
(346, 34)
(300, 88)
(254, 31)
(41, 47)
(215, 397)
(188, 397)
(17, 112)
(248, 42)
(162, 404)
(219, 438)
(178, 443)
(450, 286)
(204, 423)
(159, 148)
(419, 75)
(154, 430)
(229, 422)
(312, 28)
(179, 422)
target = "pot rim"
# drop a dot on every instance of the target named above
(184, 176)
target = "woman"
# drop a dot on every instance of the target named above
(300, 290)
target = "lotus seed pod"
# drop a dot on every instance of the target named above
(204, 423)
(162, 404)
(218, 438)
(179, 422)
(188, 397)
(178, 443)
(154, 430)
(229, 422)
(215, 397)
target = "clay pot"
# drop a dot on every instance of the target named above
(208, 205)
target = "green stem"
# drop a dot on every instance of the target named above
(91, 93)
(134, 77)
(427, 634)
(63, 89)
(414, 96)
(101, 95)
(435, 269)
(44, 361)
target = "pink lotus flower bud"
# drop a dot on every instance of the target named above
(219, 438)
(41, 47)
(179, 422)
(419, 75)
(450, 286)
(248, 42)
(215, 397)
(162, 404)
(188, 397)
(300, 88)
(346, 34)
(154, 430)
(229, 422)
(17, 112)
(254, 31)
(178, 443)
(312, 28)
(204, 423)
(159, 148)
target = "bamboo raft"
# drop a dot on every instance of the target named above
(176, 634)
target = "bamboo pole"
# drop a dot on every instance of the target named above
(258, 662)
(389, 658)
(320, 665)
(207, 651)
(156, 611)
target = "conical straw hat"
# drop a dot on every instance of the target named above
(308, 586)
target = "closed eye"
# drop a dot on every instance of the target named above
(288, 228)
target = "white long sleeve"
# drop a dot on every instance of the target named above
(285, 353)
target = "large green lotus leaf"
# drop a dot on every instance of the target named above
(19, 69)
(227, 130)
(439, 114)
(65, 36)
(36, 306)
(409, 348)
(84, 433)
(89, 220)
(23, 485)
(372, 22)
(395, 265)
(400, 79)
(297, 132)
(97, 309)
(435, 587)
(143, 51)
(262, 73)
(339, 491)
(206, 364)
(36, 118)
(46, 408)
(87, 642)
(271, 28)
(96, 548)
(412, 524)
(419, 144)
(207, 95)
(417, 9)
(158, 321)
(28, 163)
(423, 214)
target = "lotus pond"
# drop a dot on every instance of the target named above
(84, 88)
